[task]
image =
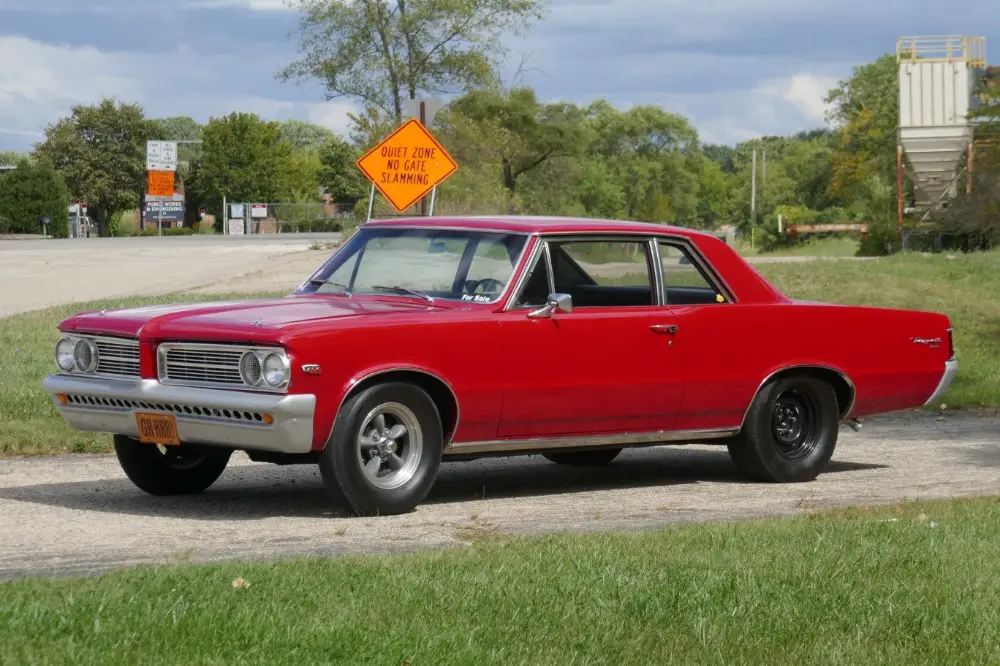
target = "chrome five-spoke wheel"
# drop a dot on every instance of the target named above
(385, 449)
(390, 445)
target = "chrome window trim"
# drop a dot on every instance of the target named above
(410, 227)
(542, 247)
(537, 249)
(111, 339)
(707, 271)
(574, 441)
(164, 347)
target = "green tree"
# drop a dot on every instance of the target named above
(304, 136)
(242, 159)
(381, 52)
(29, 193)
(866, 112)
(339, 175)
(11, 157)
(100, 151)
(299, 177)
(512, 131)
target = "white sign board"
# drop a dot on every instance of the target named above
(411, 107)
(161, 156)
(258, 210)
(236, 227)
(236, 210)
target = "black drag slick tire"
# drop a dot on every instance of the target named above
(397, 423)
(790, 432)
(178, 472)
(590, 458)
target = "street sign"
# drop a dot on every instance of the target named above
(161, 183)
(258, 210)
(161, 156)
(407, 165)
(163, 211)
(431, 106)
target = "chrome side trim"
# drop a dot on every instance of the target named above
(518, 285)
(631, 438)
(844, 413)
(104, 405)
(354, 384)
(947, 377)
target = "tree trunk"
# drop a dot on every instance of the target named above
(510, 183)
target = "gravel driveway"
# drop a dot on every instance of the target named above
(78, 514)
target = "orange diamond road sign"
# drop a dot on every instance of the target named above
(161, 183)
(407, 165)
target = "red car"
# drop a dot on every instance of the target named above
(430, 339)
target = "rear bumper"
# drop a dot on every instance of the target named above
(950, 369)
(231, 419)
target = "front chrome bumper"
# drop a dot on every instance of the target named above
(233, 419)
(950, 369)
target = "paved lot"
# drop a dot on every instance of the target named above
(51, 272)
(79, 513)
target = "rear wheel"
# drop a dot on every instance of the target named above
(589, 458)
(790, 432)
(385, 450)
(178, 471)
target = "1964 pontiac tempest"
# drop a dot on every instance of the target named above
(430, 339)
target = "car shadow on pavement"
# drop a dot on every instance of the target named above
(257, 492)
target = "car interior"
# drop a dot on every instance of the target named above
(572, 279)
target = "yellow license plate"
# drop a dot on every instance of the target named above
(157, 429)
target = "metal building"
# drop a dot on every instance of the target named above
(940, 80)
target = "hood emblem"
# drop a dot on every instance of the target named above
(257, 322)
(103, 313)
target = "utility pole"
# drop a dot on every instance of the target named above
(753, 189)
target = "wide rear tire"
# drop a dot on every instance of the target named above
(588, 458)
(790, 432)
(385, 450)
(177, 472)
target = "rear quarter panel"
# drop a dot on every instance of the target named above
(729, 350)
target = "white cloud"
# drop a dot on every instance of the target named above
(331, 115)
(807, 92)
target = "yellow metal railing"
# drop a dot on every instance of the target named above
(943, 48)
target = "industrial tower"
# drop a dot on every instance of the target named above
(940, 80)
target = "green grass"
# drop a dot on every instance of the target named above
(29, 422)
(966, 287)
(836, 246)
(905, 585)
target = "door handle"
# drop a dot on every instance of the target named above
(665, 328)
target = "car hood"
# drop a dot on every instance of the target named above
(245, 320)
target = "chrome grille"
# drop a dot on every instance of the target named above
(118, 357)
(214, 365)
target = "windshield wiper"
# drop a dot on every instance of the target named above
(403, 290)
(343, 287)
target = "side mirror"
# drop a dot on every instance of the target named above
(557, 302)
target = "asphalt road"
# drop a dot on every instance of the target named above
(79, 514)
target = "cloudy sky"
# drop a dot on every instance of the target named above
(737, 68)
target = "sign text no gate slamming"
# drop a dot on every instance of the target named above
(407, 165)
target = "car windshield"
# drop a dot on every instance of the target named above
(454, 264)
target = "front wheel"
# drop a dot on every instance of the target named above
(385, 450)
(176, 472)
(790, 431)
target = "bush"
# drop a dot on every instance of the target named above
(31, 192)
(882, 240)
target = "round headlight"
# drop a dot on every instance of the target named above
(250, 370)
(64, 354)
(85, 356)
(276, 370)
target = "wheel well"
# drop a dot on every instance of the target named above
(442, 395)
(842, 386)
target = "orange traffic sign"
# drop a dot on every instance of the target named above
(407, 165)
(161, 183)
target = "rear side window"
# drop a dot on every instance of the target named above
(685, 283)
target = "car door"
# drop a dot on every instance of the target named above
(607, 365)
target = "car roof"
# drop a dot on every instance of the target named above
(536, 224)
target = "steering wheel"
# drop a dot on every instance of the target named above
(489, 285)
